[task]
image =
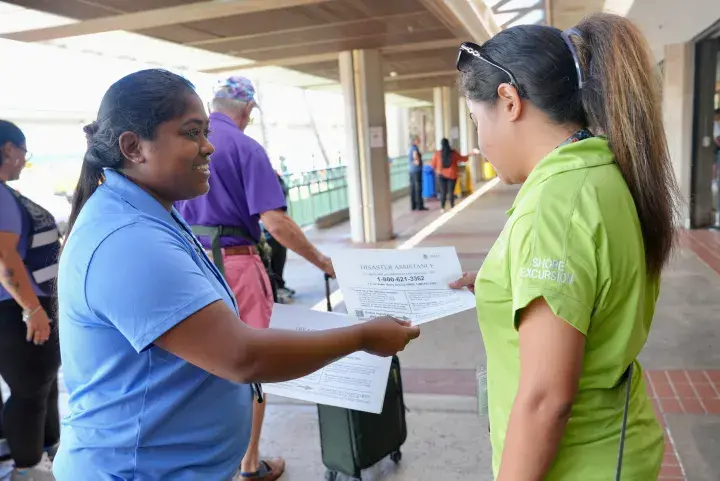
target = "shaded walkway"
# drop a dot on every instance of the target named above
(446, 439)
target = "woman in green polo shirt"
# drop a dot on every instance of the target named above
(566, 296)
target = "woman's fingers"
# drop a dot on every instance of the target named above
(467, 280)
(37, 335)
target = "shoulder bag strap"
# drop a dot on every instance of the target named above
(623, 428)
(215, 232)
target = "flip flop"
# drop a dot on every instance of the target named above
(268, 470)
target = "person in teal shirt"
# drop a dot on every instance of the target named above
(566, 296)
(157, 362)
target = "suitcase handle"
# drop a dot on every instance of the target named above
(327, 293)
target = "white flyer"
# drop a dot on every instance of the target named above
(407, 284)
(357, 381)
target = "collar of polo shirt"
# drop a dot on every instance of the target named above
(586, 153)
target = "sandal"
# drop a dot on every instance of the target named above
(268, 470)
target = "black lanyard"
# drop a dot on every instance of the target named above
(256, 387)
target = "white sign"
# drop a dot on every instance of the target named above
(377, 137)
(357, 381)
(406, 284)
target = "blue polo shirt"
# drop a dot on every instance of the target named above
(130, 272)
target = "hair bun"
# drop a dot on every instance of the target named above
(90, 130)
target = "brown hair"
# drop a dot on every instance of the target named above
(620, 97)
(623, 100)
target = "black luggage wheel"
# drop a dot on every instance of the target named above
(330, 475)
(396, 456)
(333, 475)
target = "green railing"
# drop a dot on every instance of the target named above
(319, 193)
(316, 194)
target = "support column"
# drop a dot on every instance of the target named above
(678, 94)
(468, 142)
(452, 116)
(401, 135)
(439, 115)
(446, 115)
(368, 169)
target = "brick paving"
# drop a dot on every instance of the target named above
(682, 391)
(685, 391)
(705, 244)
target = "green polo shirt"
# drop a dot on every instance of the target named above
(573, 237)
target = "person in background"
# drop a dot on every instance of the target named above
(244, 190)
(716, 142)
(4, 448)
(445, 163)
(157, 363)
(566, 296)
(29, 347)
(416, 168)
(278, 256)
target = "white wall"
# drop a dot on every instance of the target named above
(398, 134)
(666, 22)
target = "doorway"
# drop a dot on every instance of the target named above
(705, 200)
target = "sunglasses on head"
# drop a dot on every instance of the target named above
(470, 51)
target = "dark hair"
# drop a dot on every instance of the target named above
(446, 153)
(620, 98)
(9, 132)
(136, 103)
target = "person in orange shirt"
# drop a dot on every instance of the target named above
(445, 163)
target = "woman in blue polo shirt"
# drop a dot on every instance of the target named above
(157, 363)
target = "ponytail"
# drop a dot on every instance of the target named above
(90, 178)
(136, 103)
(621, 98)
(91, 175)
(446, 153)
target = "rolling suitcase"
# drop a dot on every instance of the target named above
(352, 441)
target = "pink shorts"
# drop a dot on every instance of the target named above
(249, 282)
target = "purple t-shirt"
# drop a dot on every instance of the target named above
(243, 184)
(11, 220)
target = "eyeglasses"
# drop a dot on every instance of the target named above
(28, 155)
(469, 51)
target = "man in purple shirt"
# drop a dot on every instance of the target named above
(244, 190)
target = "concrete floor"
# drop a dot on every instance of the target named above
(447, 440)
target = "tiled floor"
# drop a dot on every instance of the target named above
(671, 467)
(705, 244)
(672, 391)
(681, 391)
(685, 391)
